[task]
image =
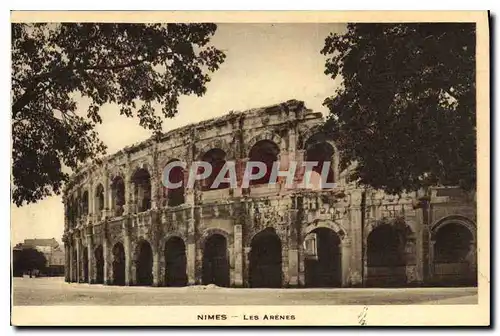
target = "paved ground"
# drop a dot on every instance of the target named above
(54, 291)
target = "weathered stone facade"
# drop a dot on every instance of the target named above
(122, 227)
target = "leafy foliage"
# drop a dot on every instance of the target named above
(135, 66)
(405, 112)
(29, 259)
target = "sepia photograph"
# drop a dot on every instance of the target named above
(303, 168)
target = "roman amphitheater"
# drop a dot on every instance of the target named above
(123, 227)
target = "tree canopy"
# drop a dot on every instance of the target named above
(136, 66)
(27, 260)
(405, 112)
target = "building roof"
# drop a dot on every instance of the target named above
(52, 242)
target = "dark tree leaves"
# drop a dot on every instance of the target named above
(405, 112)
(135, 66)
(29, 259)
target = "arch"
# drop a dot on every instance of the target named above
(144, 263)
(267, 152)
(175, 262)
(320, 148)
(209, 232)
(269, 136)
(99, 198)
(174, 196)
(453, 250)
(118, 252)
(216, 143)
(466, 222)
(118, 195)
(323, 258)
(328, 224)
(265, 260)
(85, 264)
(141, 180)
(215, 264)
(99, 263)
(387, 255)
(216, 157)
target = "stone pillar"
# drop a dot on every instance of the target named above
(284, 261)
(67, 262)
(355, 266)
(90, 258)
(431, 271)
(128, 255)
(107, 256)
(345, 248)
(246, 268)
(129, 188)
(156, 268)
(302, 267)
(191, 253)
(72, 261)
(108, 195)
(293, 252)
(238, 256)
(78, 261)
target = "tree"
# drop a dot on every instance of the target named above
(28, 260)
(136, 66)
(405, 111)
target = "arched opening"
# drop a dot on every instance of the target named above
(175, 196)
(454, 255)
(386, 256)
(99, 264)
(265, 260)
(118, 264)
(85, 265)
(175, 263)
(142, 189)
(215, 261)
(118, 195)
(267, 152)
(217, 159)
(85, 203)
(318, 150)
(99, 198)
(323, 259)
(144, 264)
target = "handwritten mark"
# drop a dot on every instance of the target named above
(362, 316)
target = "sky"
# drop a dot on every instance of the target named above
(265, 64)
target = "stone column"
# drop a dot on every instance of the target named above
(238, 256)
(90, 258)
(356, 264)
(78, 260)
(128, 255)
(191, 253)
(67, 262)
(107, 256)
(156, 268)
(293, 253)
(345, 248)
(71, 261)
(108, 195)
(284, 261)
(246, 268)
(302, 267)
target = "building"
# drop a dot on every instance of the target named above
(123, 227)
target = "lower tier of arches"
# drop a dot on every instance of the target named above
(391, 256)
